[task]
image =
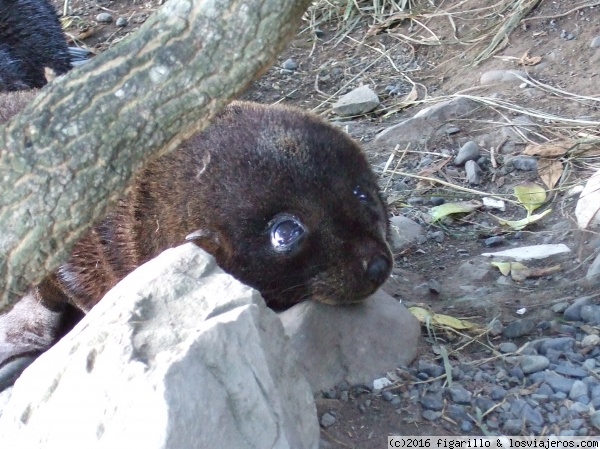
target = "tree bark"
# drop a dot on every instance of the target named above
(73, 151)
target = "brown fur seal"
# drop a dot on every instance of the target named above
(285, 202)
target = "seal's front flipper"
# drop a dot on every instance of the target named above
(29, 329)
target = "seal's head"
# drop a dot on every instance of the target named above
(295, 212)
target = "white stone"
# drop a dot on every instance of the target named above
(405, 232)
(356, 102)
(178, 355)
(492, 203)
(356, 343)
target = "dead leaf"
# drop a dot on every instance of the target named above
(589, 201)
(390, 22)
(529, 60)
(544, 271)
(554, 149)
(550, 171)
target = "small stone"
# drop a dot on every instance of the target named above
(497, 393)
(431, 369)
(534, 363)
(589, 364)
(577, 390)
(327, 420)
(359, 101)
(560, 307)
(573, 312)
(437, 200)
(571, 371)
(507, 347)
(532, 416)
(473, 173)
(595, 42)
(388, 395)
(491, 242)
(558, 382)
(457, 412)
(484, 404)
(518, 328)
(289, 64)
(104, 17)
(512, 427)
(430, 415)
(437, 236)
(450, 130)
(516, 372)
(590, 341)
(344, 396)
(405, 232)
(121, 22)
(563, 344)
(468, 152)
(466, 426)
(590, 313)
(432, 402)
(459, 394)
(595, 419)
(524, 163)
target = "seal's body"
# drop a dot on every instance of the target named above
(31, 40)
(284, 202)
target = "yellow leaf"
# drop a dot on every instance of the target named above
(454, 323)
(521, 224)
(530, 195)
(504, 267)
(555, 149)
(518, 271)
(439, 212)
(421, 314)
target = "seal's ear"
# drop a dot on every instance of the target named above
(210, 240)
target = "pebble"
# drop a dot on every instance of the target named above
(327, 420)
(104, 17)
(578, 390)
(502, 76)
(591, 314)
(429, 368)
(437, 236)
(459, 394)
(473, 173)
(573, 312)
(497, 393)
(437, 200)
(507, 347)
(518, 328)
(121, 22)
(595, 42)
(563, 344)
(430, 415)
(595, 419)
(534, 363)
(289, 64)
(432, 402)
(491, 242)
(523, 163)
(468, 152)
(356, 102)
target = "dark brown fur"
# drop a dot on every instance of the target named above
(225, 189)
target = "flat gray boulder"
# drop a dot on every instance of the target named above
(178, 355)
(356, 344)
(356, 102)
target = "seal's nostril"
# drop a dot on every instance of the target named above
(378, 269)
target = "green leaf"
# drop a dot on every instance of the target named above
(530, 195)
(439, 212)
(504, 267)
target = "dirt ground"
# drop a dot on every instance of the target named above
(426, 55)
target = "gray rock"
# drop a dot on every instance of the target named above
(429, 368)
(502, 76)
(578, 389)
(492, 242)
(425, 123)
(497, 393)
(289, 64)
(591, 340)
(590, 313)
(430, 415)
(524, 163)
(507, 347)
(457, 412)
(473, 173)
(557, 382)
(571, 371)
(518, 328)
(363, 341)
(459, 394)
(576, 424)
(327, 420)
(104, 17)
(593, 272)
(595, 42)
(562, 344)
(477, 270)
(513, 426)
(437, 236)
(468, 152)
(121, 22)
(483, 403)
(532, 416)
(432, 401)
(560, 307)
(359, 101)
(466, 426)
(405, 232)
(595, 419)
(534, 363)
(573, 312)
(175, 345)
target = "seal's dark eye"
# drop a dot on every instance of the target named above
(286, 232)
(362, 196)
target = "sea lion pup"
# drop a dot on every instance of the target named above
(285, 202)
(31, 39)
